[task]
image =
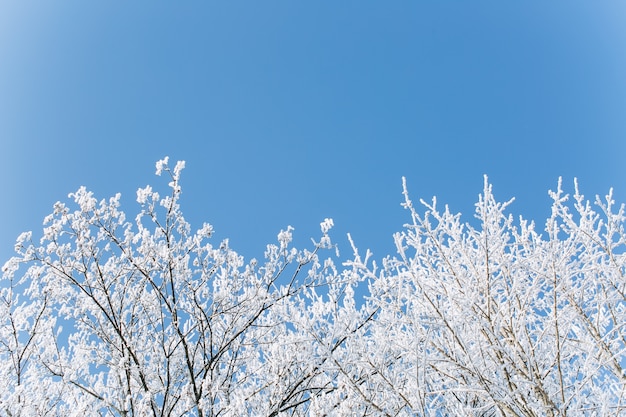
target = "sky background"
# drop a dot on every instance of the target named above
(287, 112)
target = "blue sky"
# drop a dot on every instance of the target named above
(288, 112)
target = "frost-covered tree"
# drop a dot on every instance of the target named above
(109, 316)
(499, 320)
(146, 317)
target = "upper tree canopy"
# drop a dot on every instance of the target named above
(109, 315)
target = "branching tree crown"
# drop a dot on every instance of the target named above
(146, 317)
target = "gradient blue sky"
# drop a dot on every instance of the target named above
(288, 112)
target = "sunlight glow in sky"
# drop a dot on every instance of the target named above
(290, 112)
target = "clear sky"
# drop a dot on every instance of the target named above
(288, 112)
